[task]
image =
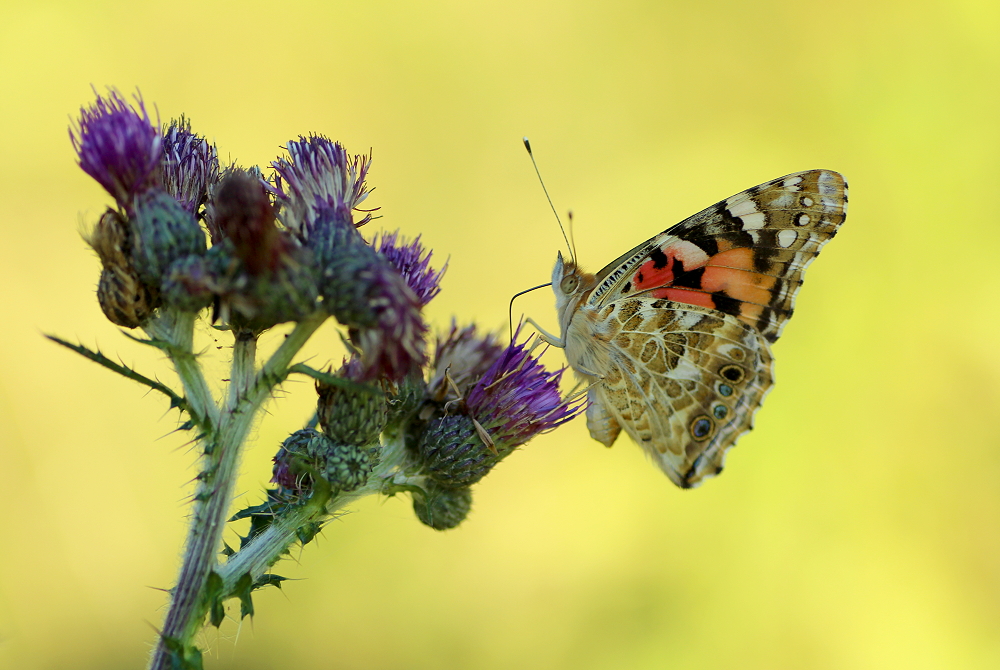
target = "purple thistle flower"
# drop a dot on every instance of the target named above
(118, 146)
(411, 262)
(318, 174)
(465, 355)
(518, 398)
(393, 346)
(190, 165)
(366, 293)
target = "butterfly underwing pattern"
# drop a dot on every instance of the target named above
(673, 337)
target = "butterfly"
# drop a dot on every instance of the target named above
(674, 337)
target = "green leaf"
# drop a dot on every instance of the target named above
(180, 657)
(227, 551)
(307, 532)
(269, 580)
(332, 380)
(213, 592)
(244, 585)
(125, 371)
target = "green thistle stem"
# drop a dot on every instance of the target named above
(263, 550)
(222, 449)
(177, 329)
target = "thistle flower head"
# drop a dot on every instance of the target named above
(190, 165)
(118, 146)
(411, 262)
(366, 293)
(514, 400)
(318, 173)
(465, 355)
(243, 214)
(518, 398)
(393, 346)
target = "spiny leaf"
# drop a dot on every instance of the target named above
(162, 345)
(227, 551)
(96, 356)
(213, 591)
(332, 380)
(269, 580)
(180, 657)
(242, 589)
(270, 508)
(307, 532)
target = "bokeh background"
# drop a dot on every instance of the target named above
(856, 527)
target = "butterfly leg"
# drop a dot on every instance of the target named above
(547, 336)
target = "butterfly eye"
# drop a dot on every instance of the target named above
(569, 283)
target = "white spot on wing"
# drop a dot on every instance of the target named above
(742, 208)
(753, 221)
(786, 237)
(792, 183)
(807, 202)
(828, 184)
(688, 320)
(802, 220)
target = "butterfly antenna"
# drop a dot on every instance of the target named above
(572, 237)
(527, 145)
(510, 309)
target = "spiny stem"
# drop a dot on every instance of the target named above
(246, 395)
(177, 328)
(263, 550)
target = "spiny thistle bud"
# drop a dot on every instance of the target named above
(307, 453)
(346, 467)
(404, 400)
(454, 454)
(318, 174)
(512, 402)
(351, 415)
(123, 297)
(440, 508)
(411, 262)
(190, 284)
(242, 213)
(366, 293)
(270, 279)
(118, 146)
(190, 165)
(163, 231)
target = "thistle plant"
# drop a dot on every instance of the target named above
(190, 243)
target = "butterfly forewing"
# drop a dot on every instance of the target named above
(674, 335)
(742, 256)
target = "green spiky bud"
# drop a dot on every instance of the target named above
(442, 508)
(189, 284)
(288, 293)
(402, 405)
(346, 466)
(453, 453)
(351, 415)
(307, 453)
(163, 232)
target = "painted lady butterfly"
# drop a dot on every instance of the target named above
(674, 336)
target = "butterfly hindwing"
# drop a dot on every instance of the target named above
(683, 382)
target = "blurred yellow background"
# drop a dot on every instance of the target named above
(856, 527)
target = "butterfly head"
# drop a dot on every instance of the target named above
(571, 286)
